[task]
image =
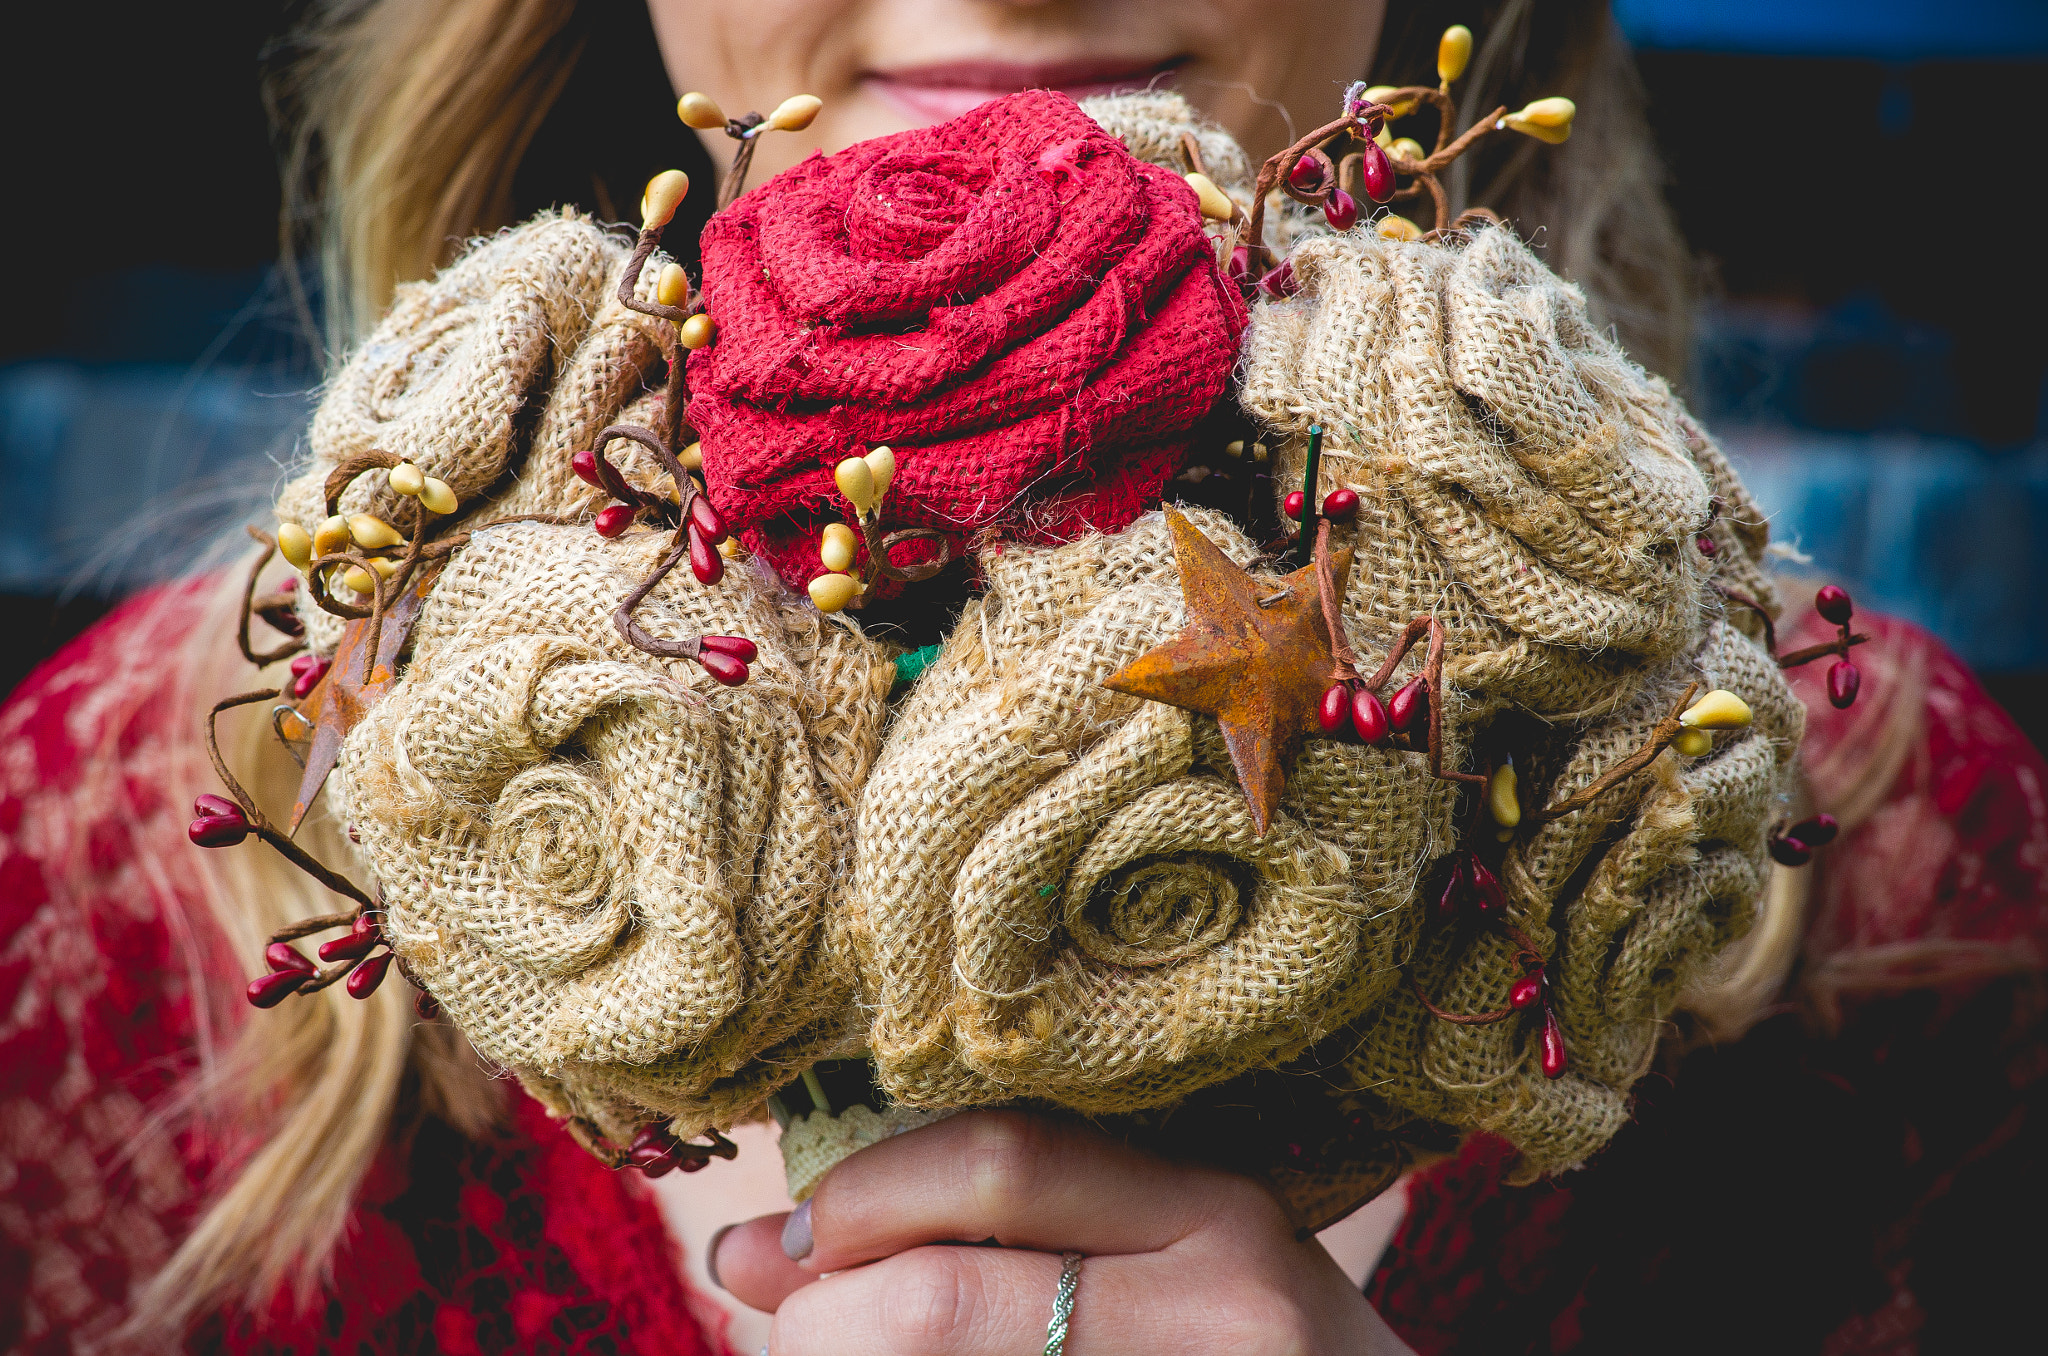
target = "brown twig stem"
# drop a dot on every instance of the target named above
(258, 823)
(1343, 659)
(1660, 737)
(290, 647)
(1841, 646)
(1744, 600)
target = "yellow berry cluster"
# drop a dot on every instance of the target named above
(864, 481)
(365, 532)
(1548, 120)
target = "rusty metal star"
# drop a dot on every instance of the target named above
(346, 693)
(1255, 655)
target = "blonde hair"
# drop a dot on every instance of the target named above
(409, 124)
(298, 1099)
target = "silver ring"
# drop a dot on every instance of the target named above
(1063, 1304)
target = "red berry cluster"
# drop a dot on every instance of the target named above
(290, 971)
(1845, 680)
(1471, 898)
(1794, 846)
(1313, 178)
(656, 1152)
(1471, 893)
(217, 822)
(1532, 991)
(723, 657)
(707, 526)
(726, 657)
(1353, 710)
(307, 671)
(1339, 505)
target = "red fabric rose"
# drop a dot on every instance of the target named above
(1029, 315)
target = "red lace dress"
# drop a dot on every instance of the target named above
(517, 1243)
(1862, 1173)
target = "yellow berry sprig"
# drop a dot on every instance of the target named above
(1307, 172)
(701, 112)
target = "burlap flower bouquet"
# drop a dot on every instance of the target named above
(1359, 725)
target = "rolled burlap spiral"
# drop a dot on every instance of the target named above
(1058, 890)
(488, 376)
(1521, 477)
(1526, 483)
(614, 873)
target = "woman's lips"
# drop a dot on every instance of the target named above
(929, 94)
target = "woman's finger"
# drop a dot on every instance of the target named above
(1025, 1181)
(748, 1260)
(957, 1301)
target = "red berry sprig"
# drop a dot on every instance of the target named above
(1471, 897)
(290, 972)
(1471, 893)
(1845, 680)
(704, 531)
(1795, 846)
(657, 1152)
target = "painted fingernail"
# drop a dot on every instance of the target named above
(796, 1233)
(711, 1255)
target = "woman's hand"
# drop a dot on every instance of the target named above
(1182, 1260)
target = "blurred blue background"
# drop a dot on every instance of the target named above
(1851, 175)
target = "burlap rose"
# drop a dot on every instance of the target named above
(487, 376)
(1522, 479)
(1031, 317)
(1526, 483)
(1058, 889)
(1629, 898)
(611, 871)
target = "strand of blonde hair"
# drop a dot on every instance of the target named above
(300, 1098)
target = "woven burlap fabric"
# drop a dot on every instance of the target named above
(1540, 494)
(608, 868)
(1058, 892)
(1151, 124)
(1522, 479)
